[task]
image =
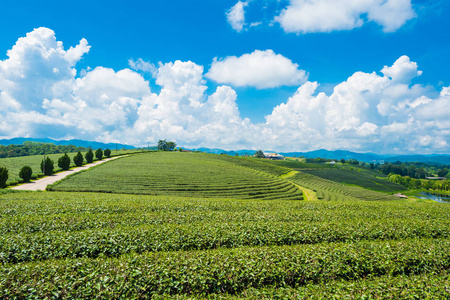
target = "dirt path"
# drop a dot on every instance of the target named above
(309, 194)
(41, 184)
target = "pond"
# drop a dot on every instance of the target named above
(435, 197)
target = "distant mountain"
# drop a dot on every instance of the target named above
(78, 143)
(338, 154)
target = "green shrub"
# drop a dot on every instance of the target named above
(25, 173)
(3, 177)
(99, 154)
(47, 168)
(78, 159)
(107, 153)
(89, 156)
(64, 162)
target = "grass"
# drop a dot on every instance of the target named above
(14, 164)
(181, 174)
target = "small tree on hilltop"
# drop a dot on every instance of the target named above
(78, 159)
(259, 154)
(47, 167)
(99, 154)
(107, 153)
(162, 145)
(89, 156)
(64, 162)
(3, 177)
(171, 145)
(25, 173)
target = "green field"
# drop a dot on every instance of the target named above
(167, 225)
(14, 164)
(185, 174)
(332, 190)
(362, 179)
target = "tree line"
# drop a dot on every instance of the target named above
(36, 148)
(47, 165)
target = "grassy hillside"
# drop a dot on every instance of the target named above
(185, 174)
(85, 245)
(332, 190)
(361, 178)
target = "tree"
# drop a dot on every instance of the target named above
(171, 145)
(64, 162)
(107, 153)
(342, 161)
(442, 172)
(78, 159)
(99, 154)
(89, 156)
(162, 145)
(3, 177)
(259, 154)
(47, 167)
(25, 173)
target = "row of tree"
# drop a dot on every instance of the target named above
(47, 165)
(414, 183)
(36, 148)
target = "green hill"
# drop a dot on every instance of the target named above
(185, 174)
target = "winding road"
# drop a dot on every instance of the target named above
(41, 184)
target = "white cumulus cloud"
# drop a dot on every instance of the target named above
(305, 16)
(260, 69)
(41, 95)
(236, 16)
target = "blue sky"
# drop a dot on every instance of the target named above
(291, 75)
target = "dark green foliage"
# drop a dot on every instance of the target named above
(47, 168)
(89, 156)
(259, 154)
(107, 153)
(171, 145)
(442, 172)
(35, 148)
(64, 162)
(99, 154)
(3, 177)
(25, 173)
(162, 145)
(78, 159)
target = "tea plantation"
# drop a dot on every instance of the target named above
(186, 226)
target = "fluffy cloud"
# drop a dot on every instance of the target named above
(260, 69)
(42, 96)
(236, 16)
(304, 16)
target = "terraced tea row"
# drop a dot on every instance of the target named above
(330, 190)
(361, 179)
(185, 174)
(44, 226)
(224, 271)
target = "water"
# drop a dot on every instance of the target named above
(437, 198)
